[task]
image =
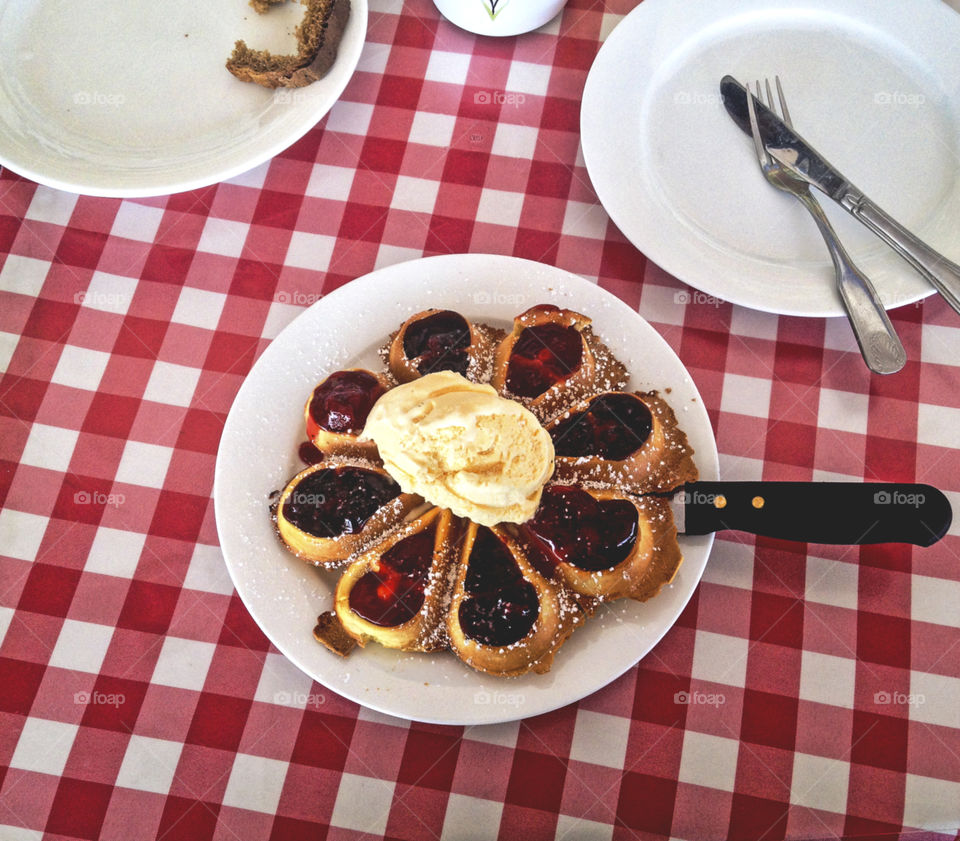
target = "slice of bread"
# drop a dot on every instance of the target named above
(318, 37)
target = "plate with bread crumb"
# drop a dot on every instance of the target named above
(158, 98)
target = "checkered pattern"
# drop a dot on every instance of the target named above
(806, 692)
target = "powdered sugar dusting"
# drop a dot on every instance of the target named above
(661, 466)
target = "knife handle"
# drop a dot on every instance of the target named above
(846, 513)
(941, 272)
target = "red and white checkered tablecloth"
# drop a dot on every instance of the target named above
(805, 692)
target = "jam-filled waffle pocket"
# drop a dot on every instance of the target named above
(552, 359)
(337, 410)
(602, 543)
(441, 340)
(625, 440)
(505, 618)
(337, 508)
(395, 593)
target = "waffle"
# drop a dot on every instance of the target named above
(337, 409)
(622, 440)
(505, 618)
(338, 507)
(505, 598)
(604, 543)
(440, 340)
(394, 593)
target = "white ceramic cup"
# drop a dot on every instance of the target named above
(499, 17)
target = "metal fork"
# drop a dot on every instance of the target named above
(879, 344)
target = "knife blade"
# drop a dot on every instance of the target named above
(843, 513)
(788, 147)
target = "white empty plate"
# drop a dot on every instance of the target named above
(873, 86)
(133, 98)
(258, 454)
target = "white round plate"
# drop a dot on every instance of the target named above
(258, 454)
(873, 86)
(135, 100)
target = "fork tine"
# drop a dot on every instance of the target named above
(783, 103)
(762, 154)
(770, 103)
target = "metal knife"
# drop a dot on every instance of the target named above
(788, 147)
(846, 513)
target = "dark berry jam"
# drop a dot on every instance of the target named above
(614, 426)
(309, 454)
(343, 400)
(394, 593)
(543, 356)
(572, 527)
(500, 605)
(455, 360)
(338, 501)
(438, 342)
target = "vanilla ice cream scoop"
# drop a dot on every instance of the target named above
(461, 446)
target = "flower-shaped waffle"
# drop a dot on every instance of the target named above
(502, 597)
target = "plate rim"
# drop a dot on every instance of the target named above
(659, 251)
(349, 52)
(708, 462)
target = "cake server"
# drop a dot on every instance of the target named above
(790, 149)
(849, 513)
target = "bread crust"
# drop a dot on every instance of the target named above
(331, 634)
(318, 39)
